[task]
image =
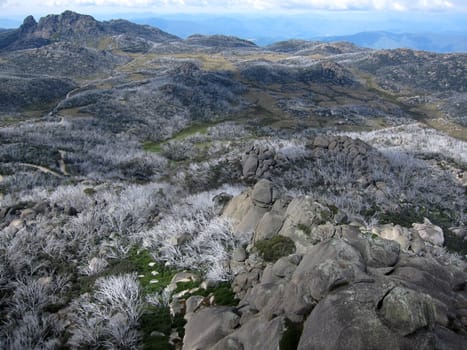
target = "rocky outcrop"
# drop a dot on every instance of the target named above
(429, 232)
(422, 71)
(208, 326)
(247, 209)
(72, 26)
(327, 72)
(219, 41)
(359, 153)
(414, 238)
(261, 162)
(346, 287)
(304, 47)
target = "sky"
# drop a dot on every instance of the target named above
(290, 18)
(101, 7)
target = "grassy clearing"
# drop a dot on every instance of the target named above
(201, 128)
(139, 61)
(208, 62)
(75, 112)
(106, 43)
(151, 146)
(452, 129)
(254, 56)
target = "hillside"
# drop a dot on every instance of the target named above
(209, 193)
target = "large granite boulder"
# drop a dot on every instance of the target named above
(351, 288)
(349, 319)
(206, 327)
(429, 232)
(247, 209)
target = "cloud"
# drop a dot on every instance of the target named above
(232, 5)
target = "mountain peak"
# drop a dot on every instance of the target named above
(66, 25)
(29, 24)
(74, 27)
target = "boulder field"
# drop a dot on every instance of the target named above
(345, 286)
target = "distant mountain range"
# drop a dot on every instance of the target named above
(267, 30)
(376, 33)
(441, 42)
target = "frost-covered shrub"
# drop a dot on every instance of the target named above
(94, 266)
(177, 150)
(26, 324)
(226, 131)
(210, 174)
(109, 317)
(71, 196)
(416, 138)
(32, 332)
(292, 149)
(192, 236)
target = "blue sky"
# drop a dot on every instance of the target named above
(101, 7)
(289, 17)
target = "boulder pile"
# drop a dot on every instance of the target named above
(344, 287)
(260, 161)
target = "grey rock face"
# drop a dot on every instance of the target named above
(206, 327)
(258, 333)
(262, 195)
(328, 265)
(247, 209)
(304, 212)
(406, 311)
(429, 232)
(351, 289)
(269, 225)
(250, 165)
(261, 162)
(348, 320)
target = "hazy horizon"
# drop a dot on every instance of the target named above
(349, 16)
(266, 21)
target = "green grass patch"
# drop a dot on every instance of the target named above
(306, 229)
(89, 191)
(276, 247)
(202, 128)
(156, 319)
(139, 260)
(198, 127)
(181, 286)
(151, 146)
(223, 294)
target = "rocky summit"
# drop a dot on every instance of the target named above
(209, 193)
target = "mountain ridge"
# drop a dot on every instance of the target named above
(71, 26)
(434, 42)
